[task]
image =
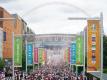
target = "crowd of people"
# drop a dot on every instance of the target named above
(46, 73)
(53, 73)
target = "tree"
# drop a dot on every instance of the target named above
(1, 63)
(105, 50)
(23, 60)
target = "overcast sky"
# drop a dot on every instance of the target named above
(51, 16)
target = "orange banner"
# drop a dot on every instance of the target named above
(44, 56)
(93, 46)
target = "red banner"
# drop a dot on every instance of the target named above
(35, 55)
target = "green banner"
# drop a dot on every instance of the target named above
(79, 50)
(40, 55)
(18, 51)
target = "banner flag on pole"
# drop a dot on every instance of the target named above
(69, 55)
(29, 54)
(35, 55)
(66, 55)
(18, 51)
(93, 46)
(41, 55)
(79, 50)
(44, 56)
(73, 53)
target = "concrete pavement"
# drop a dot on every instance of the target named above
(98, 75)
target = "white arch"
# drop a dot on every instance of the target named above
(53, 3)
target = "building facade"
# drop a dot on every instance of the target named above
(55, 40)
(11, 23)
(7, 25)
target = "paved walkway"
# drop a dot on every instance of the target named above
(98, 75)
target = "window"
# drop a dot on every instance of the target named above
(93, 27)
(93, 38)
(4, 36)
(93, 47)
(93, 43)
(93, 51)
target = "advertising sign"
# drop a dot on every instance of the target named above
(79, 50)
(35, 55)
(93, 46)
(73, 53)
(18, 51)
(29, 54)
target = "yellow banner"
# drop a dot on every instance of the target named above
(93, 46)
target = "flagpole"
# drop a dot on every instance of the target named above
(13, 53)
(26, 55)
(76, 71)
(33, 57)
(101, 33)
(72, 68)
(38, 58)
(84, 59)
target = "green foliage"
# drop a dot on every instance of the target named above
(90, 76)
(30, 68)
(105, 51)
(80, 69)
(1, 63)
(105, 70)
(23, 61)
(36, 66)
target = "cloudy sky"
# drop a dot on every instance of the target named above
(51, 16)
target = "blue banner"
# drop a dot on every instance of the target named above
(73, 53)
(29, 54)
